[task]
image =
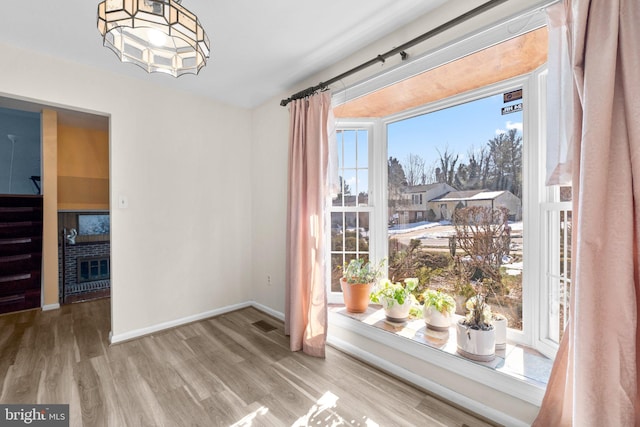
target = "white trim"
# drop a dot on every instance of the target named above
(50, 307)
(464, 45)
(277, 314)
(424, 383)
(499, 381)
(137, 333)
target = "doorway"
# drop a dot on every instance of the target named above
(73, 161)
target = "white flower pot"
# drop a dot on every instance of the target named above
(500, 325)
(476, 344)
(394, 311)
(436, 320)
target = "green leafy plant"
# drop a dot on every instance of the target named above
(397, 292)
(360, 271)
(441, 301)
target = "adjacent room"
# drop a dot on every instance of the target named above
(362, 213)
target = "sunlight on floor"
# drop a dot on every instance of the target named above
(248, 420)
(322, 414)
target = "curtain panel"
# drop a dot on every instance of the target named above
(310, 130)
(594, 381)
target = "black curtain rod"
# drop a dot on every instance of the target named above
(395, 51)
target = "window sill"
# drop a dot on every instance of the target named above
(517, 370)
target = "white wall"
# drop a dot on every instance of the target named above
(183, 246)
(269, 163)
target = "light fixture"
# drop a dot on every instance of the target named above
(157, 35)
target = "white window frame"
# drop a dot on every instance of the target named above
(535, 287)
(550, 209)
(374, 217)
(535, 195)
(532, 173)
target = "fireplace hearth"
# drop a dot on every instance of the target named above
(85, 269)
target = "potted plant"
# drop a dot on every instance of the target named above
(357, 280)
(476, 336)
(438, 309)
(396, 298)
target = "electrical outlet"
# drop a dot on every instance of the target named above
(268, 280)
(123, 202)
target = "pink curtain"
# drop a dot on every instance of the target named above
(306, 298)
(594, 381)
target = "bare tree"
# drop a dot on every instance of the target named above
(414, 170)
(474, 174)
(446, 172)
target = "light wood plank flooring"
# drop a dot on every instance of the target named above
(224, 371)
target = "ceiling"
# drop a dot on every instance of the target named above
(259, 48)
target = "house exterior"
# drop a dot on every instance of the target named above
(445, 206)
(415, 202)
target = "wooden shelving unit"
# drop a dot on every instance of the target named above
(20, 252)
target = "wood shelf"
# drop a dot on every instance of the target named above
(20, 252)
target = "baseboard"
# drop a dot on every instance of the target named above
(424, 383)
(50, 307)
(137, 333)
(271, 312)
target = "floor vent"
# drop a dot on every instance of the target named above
(264, 326)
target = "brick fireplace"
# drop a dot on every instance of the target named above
(85, 269)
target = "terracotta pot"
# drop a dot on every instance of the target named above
(436, 320)
(476, 344)
(356, 296)
(394, 311)
(500, 325)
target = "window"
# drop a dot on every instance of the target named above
(557, 225)
(481, 146)
(478, 164)
(351, 210)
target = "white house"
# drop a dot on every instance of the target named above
(445, 206)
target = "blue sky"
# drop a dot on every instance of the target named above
(459, 128)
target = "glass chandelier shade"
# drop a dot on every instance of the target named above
(157, 35)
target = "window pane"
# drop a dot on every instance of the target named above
(363, 187)
(348, 185)
(363, 148)
(336, 271)
(349, 148)
(558, 269)
(337, 232)
(468, 156)
(340, 148)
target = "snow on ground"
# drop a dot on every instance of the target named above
(414, 226)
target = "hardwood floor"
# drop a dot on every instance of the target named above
(224, 371)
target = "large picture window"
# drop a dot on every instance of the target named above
(467, 154)
(482, 146)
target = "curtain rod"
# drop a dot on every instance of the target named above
(395, 51)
